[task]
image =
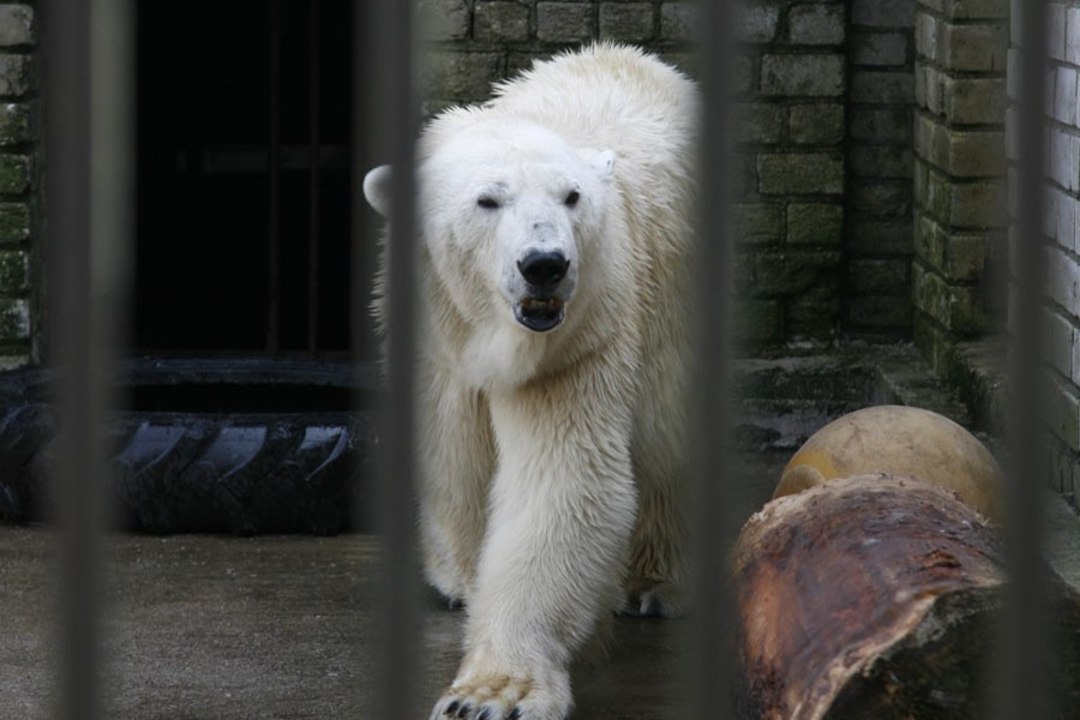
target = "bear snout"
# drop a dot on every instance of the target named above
(543, 269)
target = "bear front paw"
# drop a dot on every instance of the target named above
(501, 697)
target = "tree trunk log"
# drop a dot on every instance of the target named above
(874, 597)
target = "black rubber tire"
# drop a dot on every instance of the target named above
(295, 471)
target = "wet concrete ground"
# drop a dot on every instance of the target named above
(224, 628)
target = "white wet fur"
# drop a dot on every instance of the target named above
(552, 463)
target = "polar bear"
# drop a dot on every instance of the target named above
(555, 234)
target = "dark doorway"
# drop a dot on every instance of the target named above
(243, 177)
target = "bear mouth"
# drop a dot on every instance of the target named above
(540, 314)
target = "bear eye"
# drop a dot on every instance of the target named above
(488, 203)
(572, 198)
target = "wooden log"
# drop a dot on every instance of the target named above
(870, 597)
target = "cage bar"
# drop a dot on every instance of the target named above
(712, 648)
(273, 277)
(394, 114)
(313, 178)
(87, 52)
(1021, 689)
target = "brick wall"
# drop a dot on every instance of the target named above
(961, 49)
(789, 215)
(879, 159)
(1062, 231)
(18, 179)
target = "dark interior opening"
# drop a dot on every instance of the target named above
(235, 101)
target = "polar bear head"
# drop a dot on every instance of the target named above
(512, 217)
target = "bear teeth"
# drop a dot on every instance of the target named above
(536, 304)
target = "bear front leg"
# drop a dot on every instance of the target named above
(562, 509)
(457, 462)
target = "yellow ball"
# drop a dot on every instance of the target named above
(899, 440)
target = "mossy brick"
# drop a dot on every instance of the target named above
(935, 344)
(977, 9)
(501, 21)
(974, 101)
(1064, 96)
(18, 75)
(879, 49)
(927, 30)
(565, 22)
(880, 161)
(882, 197)
(960, 153)
(881, 124)
(816, 24)
(443, 19)
(867, 234)
(930, 241)
(791, 272)
(1059, 335)
(1064, 159)
(743, 273)
(882, 88)
(1055, 31)
(760, 320)
(800, 174)
(972, 48)
(978, 205)
(958, 308)
(760, 122)
(817, 123)
(15, 174)
(878, 276)
(815, 224)
(17, 123)
(758, 22)
(460, 76)
(758, 223)
(630, 22)
(879, 312)
(15, 222)
(1063, 280)
(1072, 37)
(882, 13)
(815, 313)
(678, 21)
(803, 75)
(14, 272)
(1063, 405)
(1063, 466)
(14, 319)
(17, 25)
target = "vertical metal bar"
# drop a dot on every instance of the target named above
(313, 178)
(713, 634)
(273, 277)
(87, 79)
(67, 135)
(395, 122)
(1022, 672)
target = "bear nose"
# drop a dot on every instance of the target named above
(543, 269)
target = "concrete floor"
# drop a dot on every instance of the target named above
(222, 628)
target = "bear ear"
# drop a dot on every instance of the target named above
(603, 161)
(377, 189)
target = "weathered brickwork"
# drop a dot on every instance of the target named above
(961, 50)
(879, 163)
(18, 182)
(1062, 238)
